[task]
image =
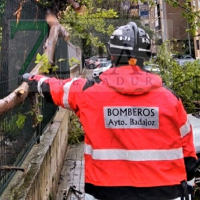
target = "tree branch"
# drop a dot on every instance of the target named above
(74, 4)
(18, 96)
(15, 98)
(184, 8)
(9, 168)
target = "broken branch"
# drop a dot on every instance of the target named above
(18, 96)
(9, 168)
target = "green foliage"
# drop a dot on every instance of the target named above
(183, 80)
(20, 121)
(45, 3)
(73, 61)
(45, 64)
(90, 26)
(16, 122)
(45, 67)
(39, 118)
(2, 8)
(75, 130)
(35, 113)
(8, 124)
(95, 8)
(11, 125)
(93, 27)
(192, 15)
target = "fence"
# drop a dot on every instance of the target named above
(21, 38)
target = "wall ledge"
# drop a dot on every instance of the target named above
(43, 164)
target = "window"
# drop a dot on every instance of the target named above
(144, 13)
(197, 42)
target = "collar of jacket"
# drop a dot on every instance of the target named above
(130, 80)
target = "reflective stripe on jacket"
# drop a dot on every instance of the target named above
(136, 131)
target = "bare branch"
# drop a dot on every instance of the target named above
(74, 4)
(9, 168)
(15, 98)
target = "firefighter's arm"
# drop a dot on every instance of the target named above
(189, 152)
(61, 92)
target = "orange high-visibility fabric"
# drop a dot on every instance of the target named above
(130, 88)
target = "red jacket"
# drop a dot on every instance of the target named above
(136, 131)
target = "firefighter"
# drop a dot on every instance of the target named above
(138, 140)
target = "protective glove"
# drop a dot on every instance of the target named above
(33, 81)
(197, 173)
(191, 182)
(191, 185)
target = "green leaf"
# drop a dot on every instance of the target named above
(39, 118)
(73, 61)
(38, 57)
(20, 121)
(54, 68)
(61, 60)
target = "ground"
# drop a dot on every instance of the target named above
(72, 173)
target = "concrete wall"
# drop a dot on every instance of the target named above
(43, 164)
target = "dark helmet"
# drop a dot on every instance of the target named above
(131, 41)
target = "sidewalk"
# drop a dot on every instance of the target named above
(72, 173)
(73, 168)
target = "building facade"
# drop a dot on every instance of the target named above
(196, 7)
(168, 23)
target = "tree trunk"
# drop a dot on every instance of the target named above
(18, 96)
